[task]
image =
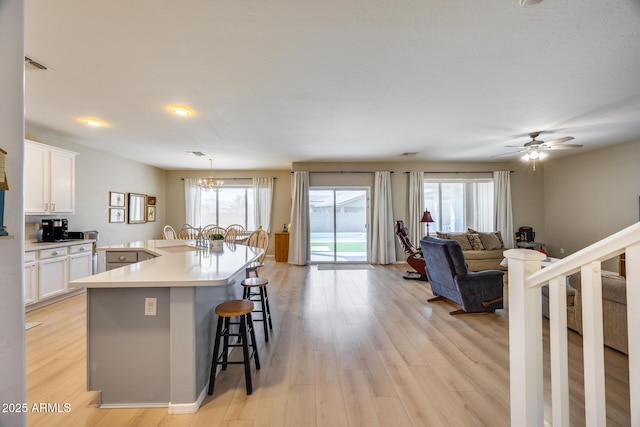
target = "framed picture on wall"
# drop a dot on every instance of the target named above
(116, 199)
(116, 214)
(151, 213)
(151, 200)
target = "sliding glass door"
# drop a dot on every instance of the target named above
(339, 224)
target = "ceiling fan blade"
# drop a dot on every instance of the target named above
(559, 140)
(514, 146)
(511, 152)
(560, 147)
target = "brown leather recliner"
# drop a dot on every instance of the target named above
(414, 255)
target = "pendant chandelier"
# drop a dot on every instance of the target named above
(210, 184)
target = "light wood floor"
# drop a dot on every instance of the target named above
(348, 348)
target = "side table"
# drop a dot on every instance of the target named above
(282, 246)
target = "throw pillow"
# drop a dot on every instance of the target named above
(440, 235)
(462, 239)
(490, 241)
(476, 243)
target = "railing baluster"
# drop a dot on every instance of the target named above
(559, 351)
(633, 320)
(593, 345)
(525, 340)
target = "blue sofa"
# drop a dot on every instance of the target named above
(473, 292)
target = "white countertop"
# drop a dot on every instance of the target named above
(178, 264)
(36, 246)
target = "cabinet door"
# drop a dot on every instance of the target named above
(36, 179)
(30, 282)
(79, 266)
(63, 179)
(52, 277)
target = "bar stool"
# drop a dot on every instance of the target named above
(260, 295)
(225, 311)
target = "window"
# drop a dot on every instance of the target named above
(230, 205)
(456, 205)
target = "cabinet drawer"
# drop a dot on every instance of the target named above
(122, 257)
(29, 256)
(52, 253)
(77, 249)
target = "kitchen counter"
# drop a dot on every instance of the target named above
(150, 324)
(179, 263)
(36, 246)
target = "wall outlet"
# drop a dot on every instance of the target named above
(150, 306)
(561, 250)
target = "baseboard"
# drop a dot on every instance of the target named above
(57, 298)
(188, 408)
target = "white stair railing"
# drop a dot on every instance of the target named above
(525, 330)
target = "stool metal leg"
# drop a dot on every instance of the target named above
(264, 313)
(225, 345)
(214, 358)
(245, 351)
(254, 344)
(266, 297)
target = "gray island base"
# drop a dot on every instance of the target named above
(137, 359)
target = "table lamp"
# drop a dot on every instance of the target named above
(426, 217)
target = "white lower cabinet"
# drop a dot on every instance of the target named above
(79, 262)
(47, 272)
(52, 276)
(30, 278)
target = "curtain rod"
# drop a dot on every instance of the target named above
(463, 172)
(233, 179)
(340, 171)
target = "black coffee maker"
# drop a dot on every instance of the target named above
(55, 230)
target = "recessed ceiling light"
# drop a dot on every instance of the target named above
(180, 110)
(94, 123)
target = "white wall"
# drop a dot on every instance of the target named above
(591, 195)
(97, 173)
(12, 334)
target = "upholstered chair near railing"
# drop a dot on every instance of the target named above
(472, 292)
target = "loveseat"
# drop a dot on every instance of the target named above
(482, 251)
(614, 308)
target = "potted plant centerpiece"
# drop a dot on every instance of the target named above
(215, 241)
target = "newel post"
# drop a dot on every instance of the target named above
(525, 339)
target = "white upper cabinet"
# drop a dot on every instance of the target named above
(50, 175)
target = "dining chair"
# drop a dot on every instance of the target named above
(188, 232)
(168, 233)
(257, 239)
(230, 236)
(209, 230)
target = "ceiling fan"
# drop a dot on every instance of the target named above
(535, 149)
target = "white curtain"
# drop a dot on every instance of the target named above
(299, 233)
(263, 198)
(192, 202)
(416, 207)
(383, 250)
(503, 212)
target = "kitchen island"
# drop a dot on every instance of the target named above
(150, 323)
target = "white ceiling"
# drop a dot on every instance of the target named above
(279, 81)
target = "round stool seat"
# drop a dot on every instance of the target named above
(234, 308)
(255, 282)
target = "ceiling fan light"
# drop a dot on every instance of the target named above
(526, 157)
(534, 155)
(542, 155)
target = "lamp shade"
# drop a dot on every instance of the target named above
(426, 217)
